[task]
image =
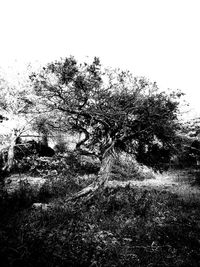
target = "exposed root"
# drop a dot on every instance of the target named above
(86, 193)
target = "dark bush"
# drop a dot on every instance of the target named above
(31, 148)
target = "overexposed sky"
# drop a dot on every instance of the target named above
(159, 39)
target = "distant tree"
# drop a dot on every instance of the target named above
(112, 109)
(189, 142)
(17, 106)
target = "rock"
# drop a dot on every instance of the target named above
(42, 206)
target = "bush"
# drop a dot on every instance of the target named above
(61, 164)
(127, 168)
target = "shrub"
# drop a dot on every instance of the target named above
(61, 164)
(127, 168)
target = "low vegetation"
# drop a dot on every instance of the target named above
(130, 226)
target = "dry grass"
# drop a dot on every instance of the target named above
(177, 182)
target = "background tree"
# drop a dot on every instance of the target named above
(17, 106)
(188, 143)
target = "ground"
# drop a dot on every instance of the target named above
(179, 182)
(153, 222)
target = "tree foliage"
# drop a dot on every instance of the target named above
(19, 113)
(109, 107)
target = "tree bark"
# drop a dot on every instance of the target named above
(10, 158)
(102, 177)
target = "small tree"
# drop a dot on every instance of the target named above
(17, 107)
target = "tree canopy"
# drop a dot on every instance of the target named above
(111, 108)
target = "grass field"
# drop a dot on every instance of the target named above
(153, 222)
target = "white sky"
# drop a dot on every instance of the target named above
(159, 39)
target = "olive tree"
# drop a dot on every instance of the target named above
(113, 110)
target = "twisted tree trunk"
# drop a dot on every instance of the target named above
(102, 177)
